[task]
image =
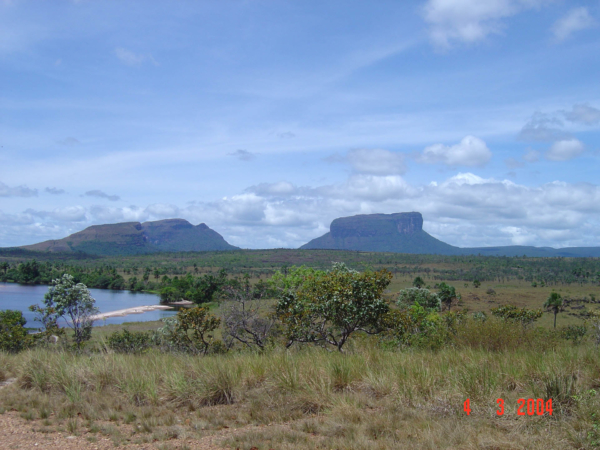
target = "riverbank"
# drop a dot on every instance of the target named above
(128, 311)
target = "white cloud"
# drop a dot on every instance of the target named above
(465, 210)
(565, 150)
(584, 114)
(106, 214)
(273, 189)
(470, 151)
(470, 20)
(133, 59)
(576, 20)
(163, 211)
(376, 161)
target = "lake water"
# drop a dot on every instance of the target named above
(20, 297)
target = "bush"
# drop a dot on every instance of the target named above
(189, 331)
(418, 327)
(513, 314)
(573, 333)
(424, 297)
(13, 335)
(128, 342)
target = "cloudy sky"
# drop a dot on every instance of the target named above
(267, 119)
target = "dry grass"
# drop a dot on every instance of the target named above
(309, 398)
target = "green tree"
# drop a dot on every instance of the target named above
(328, 309)
(424, 297)
(13, 335)
(418, 282)
(554, 303)
(476, 283)
(447, 295)
(74, 302)
(189, 330)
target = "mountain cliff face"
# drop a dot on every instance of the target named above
(398, 233)
(130, 238)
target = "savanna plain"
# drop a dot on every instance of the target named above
(400, 380)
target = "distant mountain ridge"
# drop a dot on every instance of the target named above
(132, 238)
(403, 233)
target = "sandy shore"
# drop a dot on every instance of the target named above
(126, 312)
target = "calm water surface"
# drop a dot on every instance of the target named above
(20, 297)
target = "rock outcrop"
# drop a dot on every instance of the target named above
(398, 233)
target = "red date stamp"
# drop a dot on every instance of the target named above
(530, 407)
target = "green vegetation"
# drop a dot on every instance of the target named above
(13, 334)
(73, 302)
(401, 380)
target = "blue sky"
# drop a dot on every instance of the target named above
(266, 120)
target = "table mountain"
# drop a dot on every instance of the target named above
(398, 233)
(130, 238)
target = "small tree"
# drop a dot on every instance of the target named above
(424, 297)
(73, 302)
(243, 321)
(13, 335)
(476, 283)
(418, 282)
(554, 303)
(447, 295)
(189, 330)
(328, 309)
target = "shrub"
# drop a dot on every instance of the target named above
(128, 342)
(13, 335)
(573, 333)
(188, 331)
(513, 314)
(424, 297)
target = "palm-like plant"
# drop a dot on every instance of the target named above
(554, 303)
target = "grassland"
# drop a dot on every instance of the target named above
(375, 396)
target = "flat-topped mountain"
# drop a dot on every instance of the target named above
(403, 233)
(398, 233)
(129, 238)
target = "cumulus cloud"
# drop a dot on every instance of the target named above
(163, 211)
(583, 114)
(565, 150)
(243, 155)
(376, 161)
(464, 210)
(98, 193)
(54, 191)
(18, 191)
(575, 20)
(106, 214)
(469, 21)
(470, 151)
(133, 59)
